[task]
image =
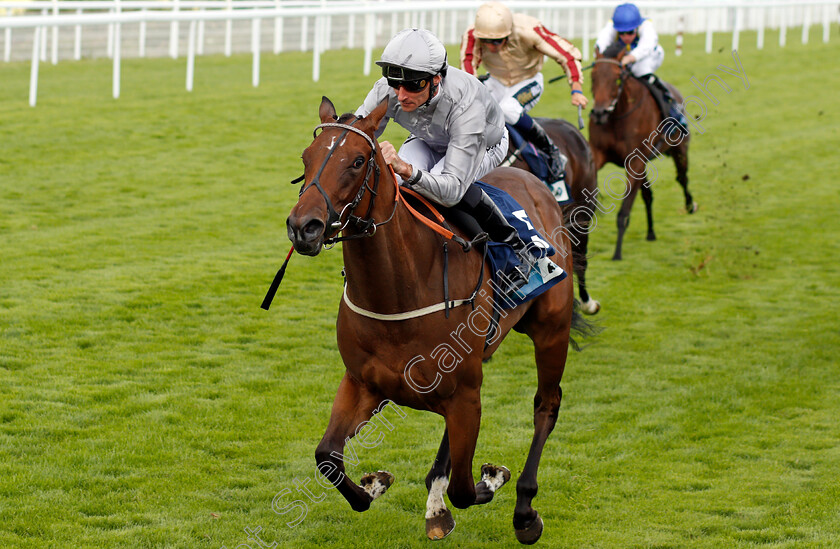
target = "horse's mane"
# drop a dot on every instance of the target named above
(346, 117)
(614, 49)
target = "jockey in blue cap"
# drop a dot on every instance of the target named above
(644, 54)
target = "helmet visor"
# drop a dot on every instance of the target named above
(396, 73)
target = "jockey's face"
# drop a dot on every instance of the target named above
(409, 101)
(493, 45)
(627, 37)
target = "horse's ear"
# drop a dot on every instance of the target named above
(372, 120)
(598, 54)
(327, 111)
(621, 54)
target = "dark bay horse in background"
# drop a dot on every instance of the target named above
(394, 349)
(583, 184)
(627, 129)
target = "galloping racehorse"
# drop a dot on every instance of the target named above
(397, 342)
(627, 130)
(583, 184)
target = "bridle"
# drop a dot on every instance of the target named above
(622, 79)
(365, 224)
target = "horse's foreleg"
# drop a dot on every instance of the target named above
(647, 197)
(463, 419)
(551, 361)
(680, 155)
(439, 521)
(352, 408)
(623, 218)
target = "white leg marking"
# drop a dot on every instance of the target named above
(435, 505)
(376, 488)
(494, 482)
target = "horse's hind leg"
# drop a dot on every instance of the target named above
(647, 197)
(680, 155)
(352, 408)
(551, 361)
(623, 218)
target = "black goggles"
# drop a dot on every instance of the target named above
(627, 33)
(494, 41)
(413, 86)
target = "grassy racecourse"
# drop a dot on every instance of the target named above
(147, 401)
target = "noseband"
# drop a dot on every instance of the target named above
(366, 227)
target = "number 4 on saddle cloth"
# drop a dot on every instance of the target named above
(502, 258)
(538, 164)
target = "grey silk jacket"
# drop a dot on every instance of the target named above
(462, 121)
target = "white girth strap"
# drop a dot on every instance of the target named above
(403, 316)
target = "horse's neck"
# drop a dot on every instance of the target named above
(380, 268)
(632, 95)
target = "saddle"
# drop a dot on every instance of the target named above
(501, 257)
(538, 164)
(663, 97)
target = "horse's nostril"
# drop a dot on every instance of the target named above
(313, 229)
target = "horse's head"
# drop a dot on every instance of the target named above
(608, 77)
(340, 175)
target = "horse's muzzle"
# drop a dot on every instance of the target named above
(307, 234)
(599, 115)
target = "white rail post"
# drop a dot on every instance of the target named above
(278, 30)
(454, 33)
(316, 48)
(806, 24)
(709, 33)
(228, 30)
(77, 39)
(304, 30)
(736, 28)
(141, 39)
(54, 44)
(255, 48)
(173, 32)
(351, 30)
(33, 74)
(110, 47)
(760, 37)
(570, 32)
(7, 45)
(826, 23)
(117, 53)
(191, 56)
(783, 28)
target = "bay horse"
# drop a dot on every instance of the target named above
(391, 319)
(583, 185)
(627, 129)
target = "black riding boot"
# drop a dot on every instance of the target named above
(535, 133)
(492, 221)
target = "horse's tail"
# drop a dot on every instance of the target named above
(582, 328)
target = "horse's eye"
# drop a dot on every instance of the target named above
(360, 161)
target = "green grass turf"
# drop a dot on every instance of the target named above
(147, 401)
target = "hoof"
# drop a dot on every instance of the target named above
(531, 534)
(440, 526)
(375, 484)
(493, 477)
(651, 236)
(693, 208)
(591, 307)
(616, 257)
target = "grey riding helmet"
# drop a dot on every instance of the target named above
(413, 54)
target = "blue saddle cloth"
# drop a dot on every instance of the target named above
(503, 259)
(538, 164)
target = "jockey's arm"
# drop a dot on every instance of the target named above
(567, 56)
(648, 39)
(470, 52)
